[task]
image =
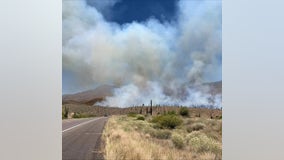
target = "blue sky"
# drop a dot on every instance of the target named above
(125, 11)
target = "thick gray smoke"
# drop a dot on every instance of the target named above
(148, 60)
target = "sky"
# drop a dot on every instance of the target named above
(161, 44)
(121, 12)
(126, 11)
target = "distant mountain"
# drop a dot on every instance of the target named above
(90, 96)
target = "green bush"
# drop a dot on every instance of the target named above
(161, 134)
(149, 130)
(178, 141)
(157, 126)
(79, 115)
(82, 115)
(132, 114)
(167, 121)
(76, 115)
(171, 112)
(156, 119)
(140, 117)
(183, 111)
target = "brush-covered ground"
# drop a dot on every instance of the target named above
(168, 136)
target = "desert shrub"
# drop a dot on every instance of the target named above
(82, 115)
(213, 135)
(161, 134)
(178, 141)
(170, 121)
(198, 126)
(199, 142)
(140, 117)
(131, 114)
(183, 111)
(167, 121)
(219, 128)
(195, 127)
(140, 125)
(127, 128)
(76, 115)
(219, 117)
(149, 130)
(171, 112)
(190, 121)
(157, 126)
(79, 115)
(189, 129)
(156, 119)
(212, 123)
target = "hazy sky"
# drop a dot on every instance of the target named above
(124, 11)
(129, 41)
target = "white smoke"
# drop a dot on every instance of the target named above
(149, 60)
(132, 95)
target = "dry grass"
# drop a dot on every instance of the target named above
(132, 139)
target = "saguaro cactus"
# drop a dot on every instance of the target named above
(151, 108)
(66, 111)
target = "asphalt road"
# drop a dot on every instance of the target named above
(81, 138)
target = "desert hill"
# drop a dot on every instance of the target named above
(90, 96)
(214, 87)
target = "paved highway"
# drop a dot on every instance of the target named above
(81, 138)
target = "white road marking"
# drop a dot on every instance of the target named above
(81, 124)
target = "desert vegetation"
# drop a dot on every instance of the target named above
(197, 111)
(65, 112)
(171, 135)
(79, 113)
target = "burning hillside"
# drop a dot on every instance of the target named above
(108, 95)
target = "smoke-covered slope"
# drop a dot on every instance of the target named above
(106, 94)
(214, 88)
(90, 96)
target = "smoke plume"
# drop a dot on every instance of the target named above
(147, 60)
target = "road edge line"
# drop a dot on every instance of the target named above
(81, 124)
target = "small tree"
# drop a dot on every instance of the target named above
(183, 111)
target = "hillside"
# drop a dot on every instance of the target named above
(214, 87)
(90, 96)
